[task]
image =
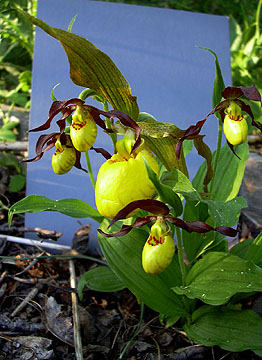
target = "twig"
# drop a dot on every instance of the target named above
(14, 146)
(76, 319)
(31, 264)
(158, 348)
(29, 297)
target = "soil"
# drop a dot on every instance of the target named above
(39, 310)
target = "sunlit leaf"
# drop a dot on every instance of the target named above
(70, 207)
(91, 68)
(218, 276)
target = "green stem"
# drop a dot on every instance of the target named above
(218, 150)
(136, 332)
(90, 169)
(108, 125)
(181, 255)
(183, 271)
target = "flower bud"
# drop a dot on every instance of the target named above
(158, 250)
(64, 157)
(235, 126)
(123, 179)
(83, 129)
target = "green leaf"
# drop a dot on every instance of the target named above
(167, 195)
(187, 147)
(91, 68)
(70, 207)
(218, 276)
(7, 135)
(219, 84)
(232, 330)
(225, 213)
(10, 125)
(162, 139)
(177, 181)
(249, 249)
(123, 255)
(204, 151)
(101, 278)
(229, 173)
(17, 183)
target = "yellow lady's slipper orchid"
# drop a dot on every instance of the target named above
(159, 249)
(83, 129)
(235, 126)
(123, 178)
(64, 157)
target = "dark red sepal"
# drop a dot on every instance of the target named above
(44, 143)
(191, 133)
(234, 92)
(153, 206)
(56, 107)
(102, 151)
(227, 231)
(231, 147)
(125, 229)
(201, 227)
(251, 93)
(78, 163)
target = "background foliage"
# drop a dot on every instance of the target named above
(16, 52)
(17, 36)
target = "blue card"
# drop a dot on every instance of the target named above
(157, 52)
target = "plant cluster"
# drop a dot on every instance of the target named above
(16, 53)
(139, 219)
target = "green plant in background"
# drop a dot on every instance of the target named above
(246, 53)
(16, 52)
(8, 161)
(204, 292)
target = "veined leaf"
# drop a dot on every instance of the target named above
(229, 173)
(162, 139)
(249, 249)
(177, 181)
(101, 278)
(204, 151)
(91, 68)
(124, 256)
(70, 207)
(167, 195)
(219, 84)
(226, 213)
(233, 330)
(218, 276)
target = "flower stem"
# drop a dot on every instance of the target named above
(181, 255)
(90, 169)
(108, 125)
(218, 150)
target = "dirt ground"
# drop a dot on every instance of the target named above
(41, 316)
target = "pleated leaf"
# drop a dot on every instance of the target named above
(232, 330)
(162, 139)
(229, 174)
(218, 276)
(91, 68)
(70, 207)
(101, 278)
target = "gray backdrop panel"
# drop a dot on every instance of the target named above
(155, 49)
